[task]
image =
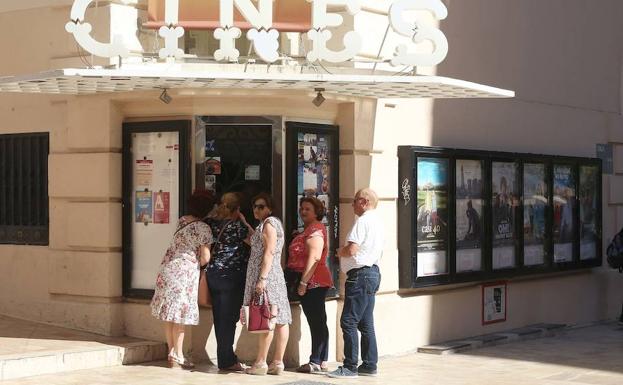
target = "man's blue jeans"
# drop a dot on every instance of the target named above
(361, 287)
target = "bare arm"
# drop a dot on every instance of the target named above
(349, 250)
(314, 250)
(204, 255)
(247, 240)
(269, 237)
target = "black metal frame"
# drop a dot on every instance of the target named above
(183, 127)
(407, 212)
(24, 200)
(290, 217)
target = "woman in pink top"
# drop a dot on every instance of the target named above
(307, 255)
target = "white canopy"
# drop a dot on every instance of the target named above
(177, 76)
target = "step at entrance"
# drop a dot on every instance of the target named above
(31, 349)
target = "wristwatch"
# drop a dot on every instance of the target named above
(263, 278)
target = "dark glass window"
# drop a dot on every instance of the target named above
(24, 204)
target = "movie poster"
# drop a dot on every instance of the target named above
(588, 211)
(161, 205)
(143, 207)
(432, 216)
(505, 200)
(535, 206)
(469, 204)
(310, 178)
(564, 204)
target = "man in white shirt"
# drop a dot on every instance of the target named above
(359, 260)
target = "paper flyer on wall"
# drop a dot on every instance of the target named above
(161, 203)
(143, 207)
(143, 173)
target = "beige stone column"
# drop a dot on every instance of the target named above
(85, 217)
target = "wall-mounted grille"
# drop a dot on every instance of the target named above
(24, 207)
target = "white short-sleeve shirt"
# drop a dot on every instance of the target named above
(368, 234)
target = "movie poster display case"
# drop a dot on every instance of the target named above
(469, 215)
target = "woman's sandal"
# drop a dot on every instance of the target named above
(257, 369)
(181, 363)
(276, 368)
(312, 368)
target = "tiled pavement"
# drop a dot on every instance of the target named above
(590, 355)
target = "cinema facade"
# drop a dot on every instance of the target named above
(496, 208)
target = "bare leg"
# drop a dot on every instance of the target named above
(282, 333)
(168, 331)
(178, 340)
(264, 344)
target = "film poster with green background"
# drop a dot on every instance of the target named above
(535, 206)
(564, 204)
(432, 216)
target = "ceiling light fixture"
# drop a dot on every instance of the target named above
(165, 97)
(319, 99)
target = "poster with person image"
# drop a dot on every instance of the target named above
(505, 200)
(310, 178)
(310, 148)
(535, 206)
(469, 225)
(588, 211)
(432, 216)
(564, 205)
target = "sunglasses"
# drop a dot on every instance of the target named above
(259, 207)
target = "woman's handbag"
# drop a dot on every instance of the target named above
(204, 298)
(261, 316)
(293, 279)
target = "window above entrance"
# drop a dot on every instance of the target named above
(288, 15)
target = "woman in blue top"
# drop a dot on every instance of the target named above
(226, 275)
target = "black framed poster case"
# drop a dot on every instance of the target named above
(183, 128)
(407, 214)
(294, 130)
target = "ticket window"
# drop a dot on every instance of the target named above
(239, 154)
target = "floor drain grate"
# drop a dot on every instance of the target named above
(307, 383)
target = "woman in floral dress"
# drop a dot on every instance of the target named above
(264, 273)
(175, 297)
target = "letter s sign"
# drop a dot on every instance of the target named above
(419, 32)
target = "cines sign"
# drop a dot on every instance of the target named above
(265, 39)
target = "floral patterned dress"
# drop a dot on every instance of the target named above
(175, 298)
(275, 284)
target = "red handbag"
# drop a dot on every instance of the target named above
(262, 315)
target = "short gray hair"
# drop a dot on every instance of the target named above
(369, 195)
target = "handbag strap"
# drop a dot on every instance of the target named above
(218, 239)
(185, 226)
(264, 295)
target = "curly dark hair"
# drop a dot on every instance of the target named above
(200, 203)
(319, 208)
